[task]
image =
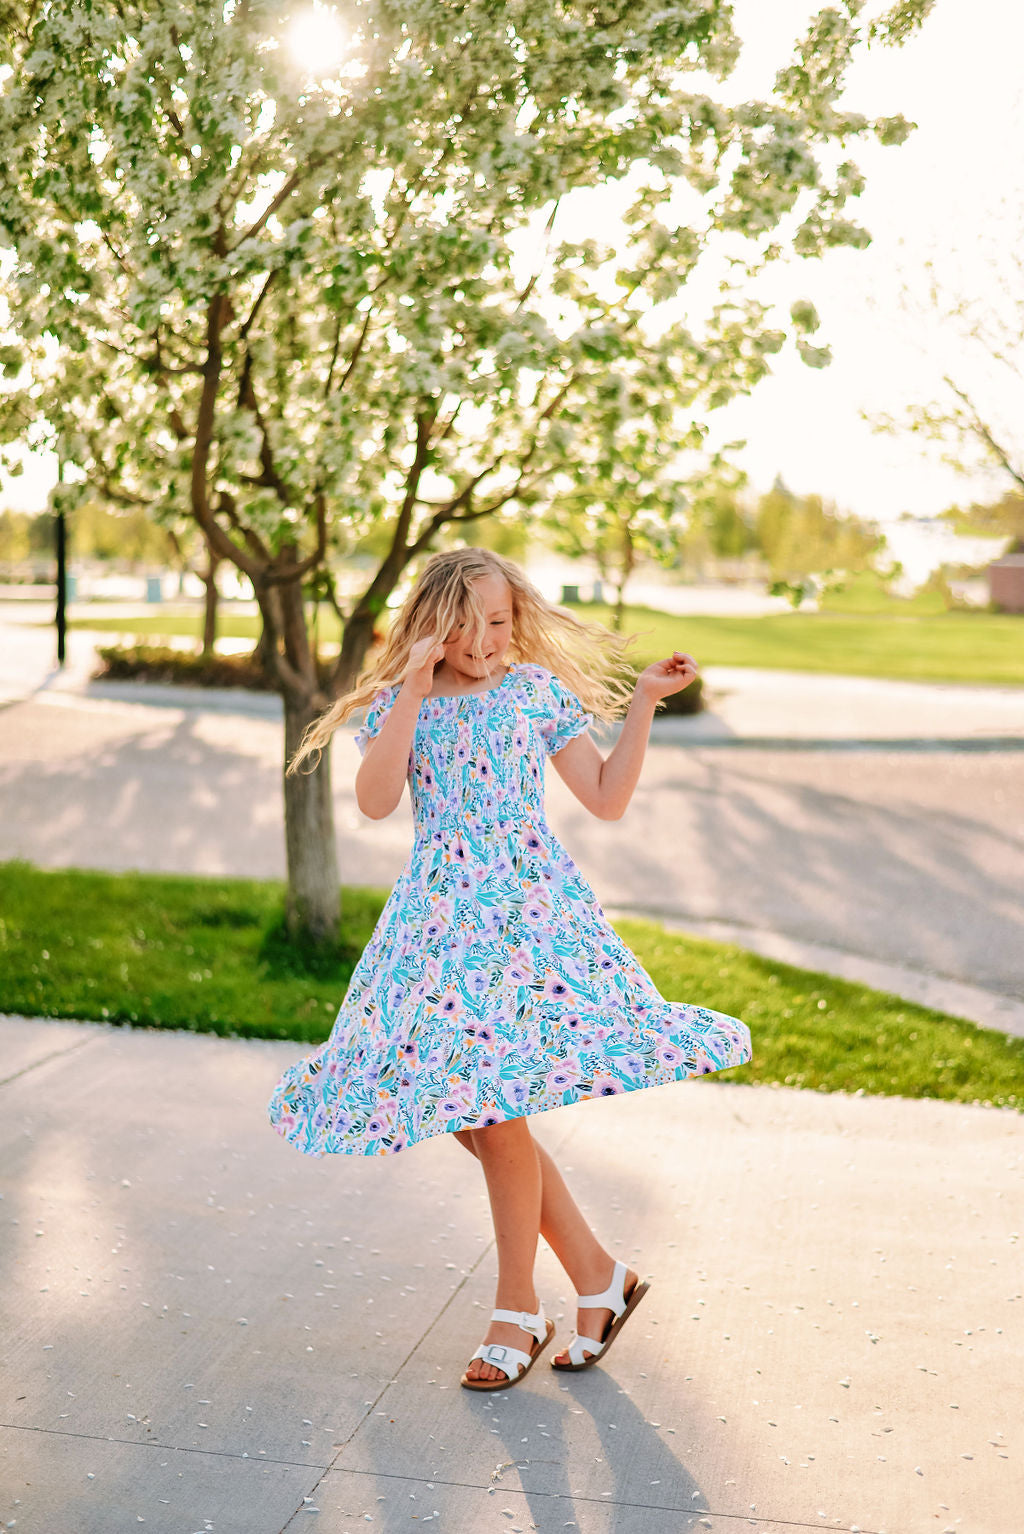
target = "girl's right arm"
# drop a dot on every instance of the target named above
(385, 765)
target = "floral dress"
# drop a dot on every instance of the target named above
(492, 986)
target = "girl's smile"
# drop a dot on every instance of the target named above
(468, 659)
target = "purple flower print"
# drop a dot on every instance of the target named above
(450, 1007)
(555, 988)
(607, 1086)
(559, 1081)
(382, 1120)
(668, 1054)
(520, 967)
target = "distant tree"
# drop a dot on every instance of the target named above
(125, 535)
(805, 540)
(14, 537)
(296, 306)
(722, 518)
(1002, 517)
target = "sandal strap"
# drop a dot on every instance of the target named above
(579, 1345)
(511, 1361)
(536, 1325)
(613, 1298)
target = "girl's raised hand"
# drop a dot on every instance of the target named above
(423, 657)
(664, 677)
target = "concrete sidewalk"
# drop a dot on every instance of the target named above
(204, 1331)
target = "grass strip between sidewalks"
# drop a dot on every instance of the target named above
(209, 955)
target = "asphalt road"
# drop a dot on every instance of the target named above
(913, 858)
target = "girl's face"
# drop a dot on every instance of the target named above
(472, 659)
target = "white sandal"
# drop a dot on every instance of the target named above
(513, 1362)
(613, 1299)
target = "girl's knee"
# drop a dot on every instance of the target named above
(506, 1135)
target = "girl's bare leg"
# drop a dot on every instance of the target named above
(508, 1154)
(564, 1227)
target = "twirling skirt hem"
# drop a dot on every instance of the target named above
(391, 1143)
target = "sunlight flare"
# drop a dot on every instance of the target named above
(317, 40)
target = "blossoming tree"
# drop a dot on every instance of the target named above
(296, 303)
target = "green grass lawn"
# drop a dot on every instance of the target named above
(894, 642)
(208, 955)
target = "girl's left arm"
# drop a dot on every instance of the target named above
(604, 785)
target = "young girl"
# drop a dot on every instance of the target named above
(493, 987)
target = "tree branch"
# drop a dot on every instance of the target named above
(261, 295)
(247, 400)
(535, 277)
(294, 180)
(277, 574)
(984, 432)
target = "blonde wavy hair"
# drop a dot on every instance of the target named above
(587, 657)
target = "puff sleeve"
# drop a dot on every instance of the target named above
(375, 716)
(565, 719)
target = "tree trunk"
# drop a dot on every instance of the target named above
(209, 580)
(261, 653)
(356, 640)
(313, 905)
(624, 571)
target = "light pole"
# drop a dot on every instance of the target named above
(62, 575)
